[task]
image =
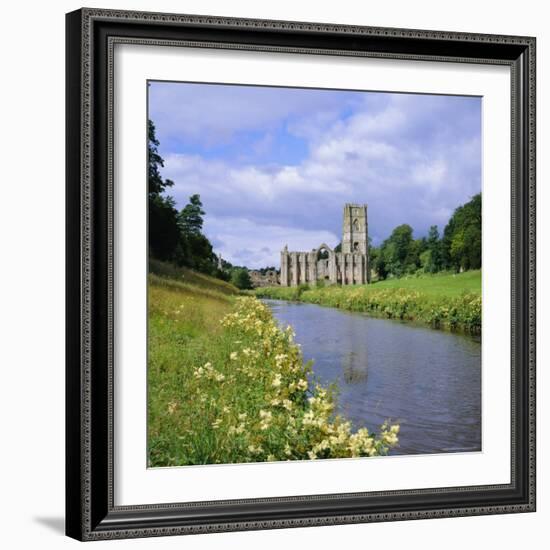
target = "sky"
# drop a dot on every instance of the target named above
(274, 166)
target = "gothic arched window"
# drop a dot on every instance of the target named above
(356, 224)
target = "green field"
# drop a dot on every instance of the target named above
(447, 300)
(227, 385)
(441, 284)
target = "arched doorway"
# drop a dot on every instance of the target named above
(324, 254)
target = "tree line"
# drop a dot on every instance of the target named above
(458, 249)
(176, 236)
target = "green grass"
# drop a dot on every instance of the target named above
(227, 385)
(193, 279)
(444, 284)
(450, 301)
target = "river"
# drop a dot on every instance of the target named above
(428, 381)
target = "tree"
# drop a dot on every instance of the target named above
(163, 226)
(431, 257)
(241, 279)
(164, 233)
(190, 218)
(401, 237)
(175, 237)
(461, 243)
(397, 252)
(157, 184)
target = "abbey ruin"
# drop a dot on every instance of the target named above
(347, 267)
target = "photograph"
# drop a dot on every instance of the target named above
(314, 285)
(300, 272)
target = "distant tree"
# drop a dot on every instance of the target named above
(459, 248)
(241, 279)
(416, 249)
(190, 218)
(431, 261)
(461, 243)
(375, 262)
(379, 263)
(338, 247)
(401, 238)
(397, 250)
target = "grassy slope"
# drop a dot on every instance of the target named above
(236, 392)
(184, 321)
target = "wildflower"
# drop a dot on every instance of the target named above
(236, 429)
(233, 356)
(266, 417)
(197, 373)
(276, 381)
(389, 436)
(216, 423)
(172, 406)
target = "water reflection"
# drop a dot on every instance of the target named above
(355, 368)
(427, 380)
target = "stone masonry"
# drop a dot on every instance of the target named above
(347, 267)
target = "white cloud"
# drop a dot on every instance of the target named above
(431, 173)
(244, 242)
(394, 158)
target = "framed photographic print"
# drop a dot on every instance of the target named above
(300, 274)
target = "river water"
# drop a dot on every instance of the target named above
(429, 381)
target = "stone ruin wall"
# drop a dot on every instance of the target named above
(350, 266)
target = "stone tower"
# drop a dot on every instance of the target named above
(355, 229)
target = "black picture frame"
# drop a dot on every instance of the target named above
(90, 510)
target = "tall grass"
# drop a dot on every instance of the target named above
(227, 385)
(188, 276)
(442, 301)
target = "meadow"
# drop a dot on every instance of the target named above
(227, 385)
(444, 300)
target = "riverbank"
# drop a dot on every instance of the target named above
(443, 301)
(386, 369)
(227, 385)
